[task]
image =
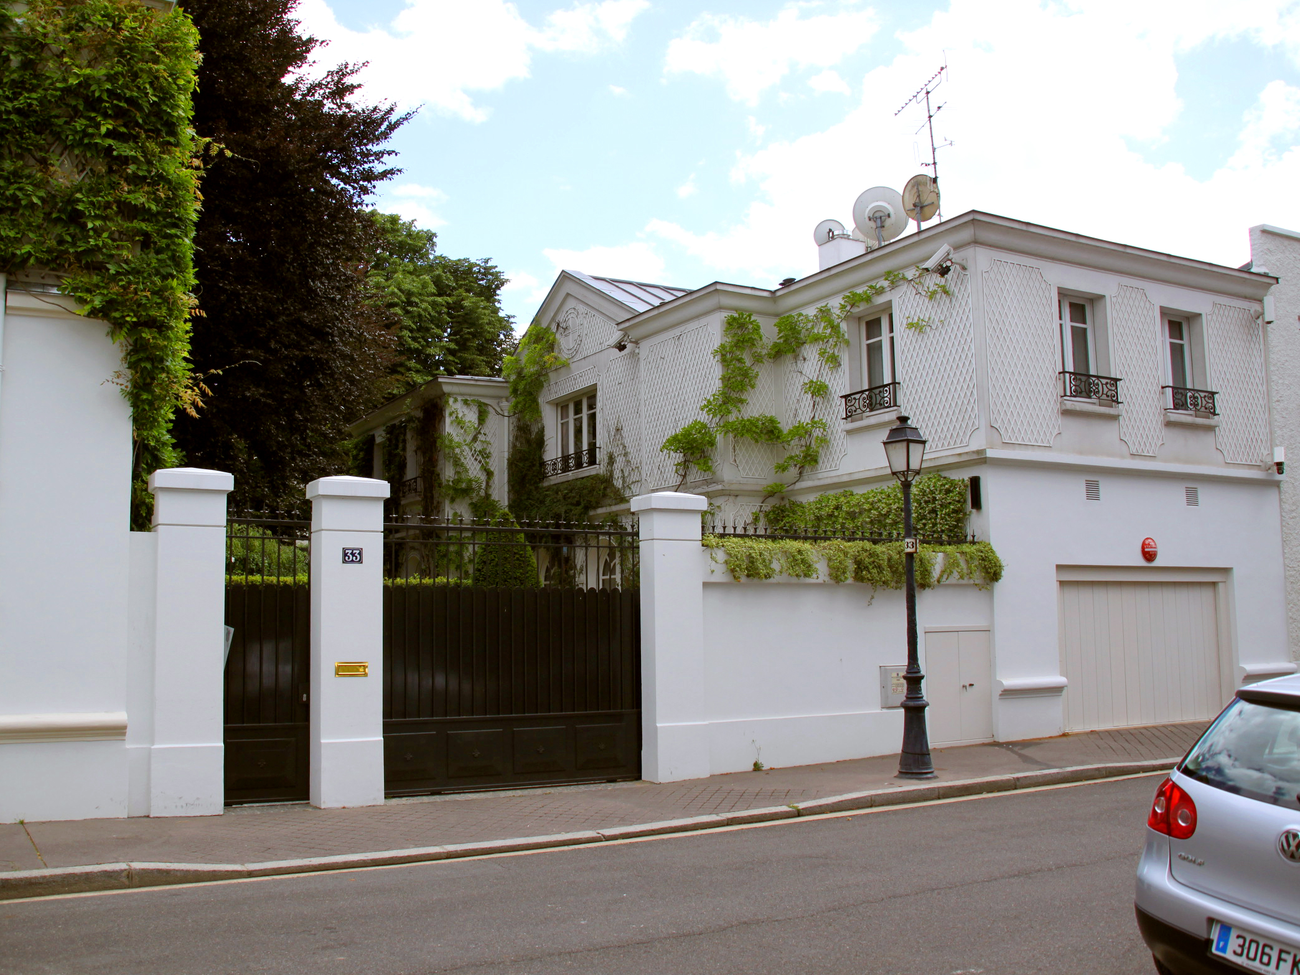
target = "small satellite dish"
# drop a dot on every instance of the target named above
(879, 214)
(827, 230)
(921, 198)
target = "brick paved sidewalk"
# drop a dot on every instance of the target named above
(248, 834)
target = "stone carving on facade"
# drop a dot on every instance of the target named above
(1135, 339)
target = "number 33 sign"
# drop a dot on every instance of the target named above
(352, 556)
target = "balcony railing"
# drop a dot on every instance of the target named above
(575, 461)
(1184, 400)
(1082, 385)
(866, 401)
(412, 487)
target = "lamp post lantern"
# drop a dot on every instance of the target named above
(905, 448)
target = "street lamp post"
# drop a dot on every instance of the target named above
(905, 448)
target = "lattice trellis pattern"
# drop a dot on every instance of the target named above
(677, 374)
(752, 459)
(494, 434)
(583, 331)
(571, 383)
(794, 372)
(1135, 339)
(1024, 354)
(936, 368)
(619, 416)
(1236, 361)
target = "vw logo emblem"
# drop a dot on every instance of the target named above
(1288, 844)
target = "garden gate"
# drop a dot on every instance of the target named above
(511, 655)
(268, 606)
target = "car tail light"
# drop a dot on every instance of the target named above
(1172, 812)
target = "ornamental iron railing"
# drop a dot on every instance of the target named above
(864, 401)
(1082, 385)
(576, 461)
(1184, 400)
(412, 487)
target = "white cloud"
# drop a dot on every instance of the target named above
(829, 80)
(617, 90)
(638, 260)
(752, 56)
(688, 188)
(411, 201)
(442, 52)
(1033, 139)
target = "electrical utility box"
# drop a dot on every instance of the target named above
(892, 686)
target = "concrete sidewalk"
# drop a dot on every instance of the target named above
(38, 859)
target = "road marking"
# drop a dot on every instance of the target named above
(843, 814)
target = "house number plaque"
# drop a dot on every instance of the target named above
(352, 556)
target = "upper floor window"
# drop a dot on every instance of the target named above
(575, 435)
(1177, 338)
(1184, 366)
(878, 348)
(1078, 334)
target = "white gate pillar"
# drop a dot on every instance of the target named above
(347, 641)
(674, 716)
(186, 751)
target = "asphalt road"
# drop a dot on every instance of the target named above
(1031, 882)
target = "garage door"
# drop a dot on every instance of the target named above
(1138, 653)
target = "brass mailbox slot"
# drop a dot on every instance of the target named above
(352, 668)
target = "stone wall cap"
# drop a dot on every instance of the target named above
(191, 479)
(346, 486)
(669, 501)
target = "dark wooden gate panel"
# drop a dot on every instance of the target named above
(492, 687)
(268, 605)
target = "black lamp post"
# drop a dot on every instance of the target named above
(905, 447)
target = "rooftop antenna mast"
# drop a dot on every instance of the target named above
(923, 94)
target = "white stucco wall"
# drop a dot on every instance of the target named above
(65, 456)
(1276, 251)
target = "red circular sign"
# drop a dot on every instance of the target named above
(1149, 549)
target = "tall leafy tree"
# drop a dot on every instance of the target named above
(448, 310)
(288, 338)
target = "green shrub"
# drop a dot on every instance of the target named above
(505, 559)
(938, 511)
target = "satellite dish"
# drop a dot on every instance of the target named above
(827, 230)
(921, 198)
(879, 214)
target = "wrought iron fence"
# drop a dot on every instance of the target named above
(275, 547)
(1082, 385)
(575, 461)
(1191, 400)
(432, 551)
(866, 401)
(748, 530)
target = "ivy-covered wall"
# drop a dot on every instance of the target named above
(99, 184)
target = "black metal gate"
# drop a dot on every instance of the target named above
(268, 605)
(511, 656)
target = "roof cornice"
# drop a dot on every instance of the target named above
(435, 388)
(567, 283)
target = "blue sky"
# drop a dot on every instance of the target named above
(687, 143)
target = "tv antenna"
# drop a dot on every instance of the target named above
(922, 95)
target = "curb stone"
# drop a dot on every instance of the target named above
(95, 878)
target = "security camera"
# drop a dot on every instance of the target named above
(943, 254)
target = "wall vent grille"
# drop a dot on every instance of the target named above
(1092, 490)
(1193, 496)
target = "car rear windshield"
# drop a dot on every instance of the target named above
(1252, 750)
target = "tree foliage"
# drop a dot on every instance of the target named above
(282, 247)
(448, 310)
(98, 183)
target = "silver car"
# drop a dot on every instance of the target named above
(1218, 885)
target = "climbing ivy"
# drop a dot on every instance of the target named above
(535, 357)
(99, 184)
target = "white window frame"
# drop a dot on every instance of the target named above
(1189, 372)
(585, 406)
(887, 343)
(1067, 326)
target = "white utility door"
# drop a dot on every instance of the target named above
(1138, 653)
(958, 685)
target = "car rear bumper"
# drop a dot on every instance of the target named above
(1175, 919)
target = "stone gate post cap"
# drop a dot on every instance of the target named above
(669, 501)
(191, 479)
(344, 486)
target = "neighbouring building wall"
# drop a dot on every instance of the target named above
(65, 478)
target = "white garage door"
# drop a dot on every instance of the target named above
(1138, 653)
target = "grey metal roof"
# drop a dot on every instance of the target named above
(637, 295)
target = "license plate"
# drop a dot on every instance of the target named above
(1253, 951)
